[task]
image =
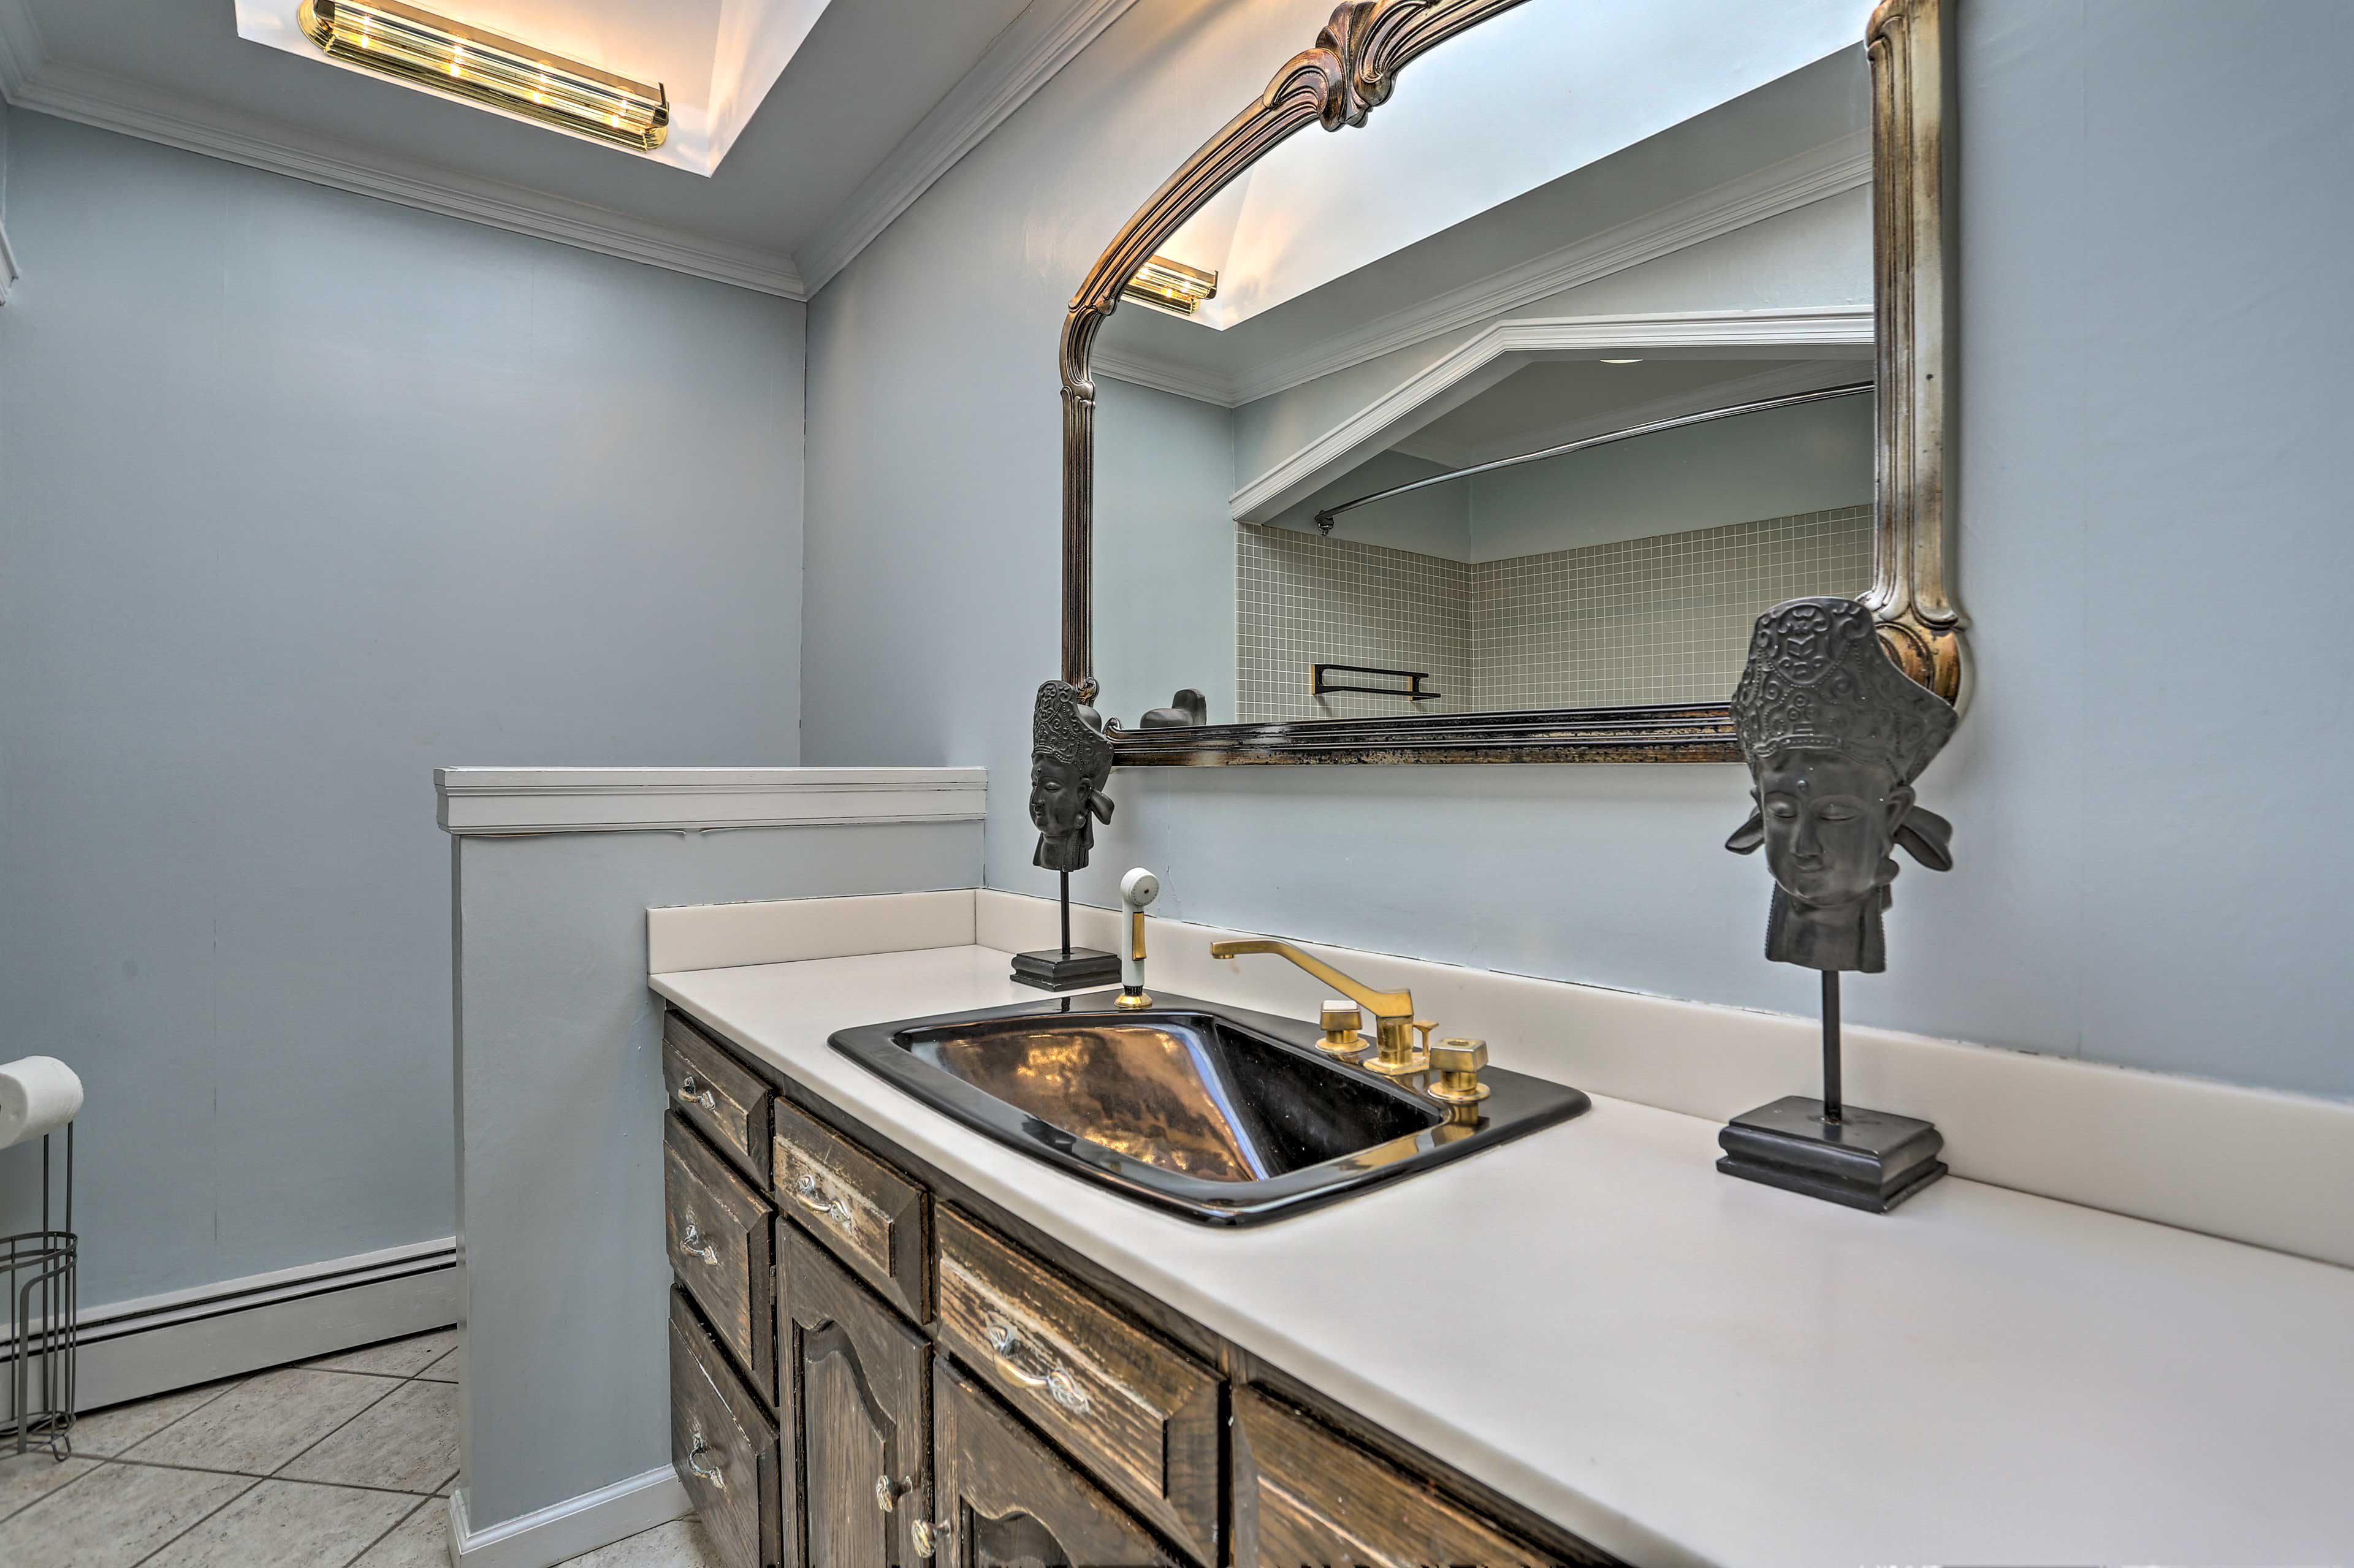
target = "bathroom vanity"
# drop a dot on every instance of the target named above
(1583, 1344)
(871, 1362)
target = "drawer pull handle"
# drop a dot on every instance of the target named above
(692, 1092)
(806, 1192)
(888, 1492)
(712, 1473)
(1060, 1386)
(926, 1534)
(691, 1242)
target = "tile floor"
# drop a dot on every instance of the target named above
(341, 1462)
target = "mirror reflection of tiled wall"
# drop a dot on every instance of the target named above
(1660, 619)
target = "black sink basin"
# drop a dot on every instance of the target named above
(1224, 1114)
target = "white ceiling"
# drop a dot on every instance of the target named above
(1514, 103)
(872, 103)
(1551, 402)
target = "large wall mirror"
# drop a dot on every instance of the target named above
(1484, 429)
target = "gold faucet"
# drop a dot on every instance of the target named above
(1394, 1023)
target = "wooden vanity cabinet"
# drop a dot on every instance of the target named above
(871, 1367)
(856, 1416)
(1142, 1415)
(720, 1233)
(723, 1444)
(1304, 1494)
(1004, 1499)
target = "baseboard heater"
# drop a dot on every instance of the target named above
(152, 1345)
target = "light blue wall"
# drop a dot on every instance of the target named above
(305, 495)
(1164, 550)
(2152, 494)
(560, 1108)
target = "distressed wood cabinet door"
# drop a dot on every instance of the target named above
(1003, 1499)
(1303, 1494)
(854, 1419)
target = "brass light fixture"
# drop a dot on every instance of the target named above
(1171, 285)
(435, 52)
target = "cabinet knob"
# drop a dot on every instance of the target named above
(691, 1091)
(691, 1243)
(926, 1534)
(888, 1492)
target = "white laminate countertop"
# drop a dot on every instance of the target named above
(1685, 1368)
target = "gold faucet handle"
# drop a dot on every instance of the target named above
(1341, 1022)
(1457, 1061)
(1423, 1026)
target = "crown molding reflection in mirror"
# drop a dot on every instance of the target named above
(1352, 71)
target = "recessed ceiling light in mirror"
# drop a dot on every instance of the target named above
(1622, 362)
(1165, 282)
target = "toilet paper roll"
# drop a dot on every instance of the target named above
(37, 1095)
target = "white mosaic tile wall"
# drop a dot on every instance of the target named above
(1662, 619)
(1303, 599)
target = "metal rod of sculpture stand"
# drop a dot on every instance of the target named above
(1064, 877)
(1832, 1109)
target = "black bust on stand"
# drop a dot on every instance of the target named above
(1834, 734)
(1070, 762)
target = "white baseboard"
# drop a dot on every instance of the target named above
(133, 1349)
(564, 1531)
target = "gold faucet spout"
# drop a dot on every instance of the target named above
(1393, 1010)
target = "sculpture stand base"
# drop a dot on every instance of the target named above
(1081, 969)
(1867, 1160)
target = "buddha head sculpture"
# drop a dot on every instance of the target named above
(1834, 734)
(1070, 761)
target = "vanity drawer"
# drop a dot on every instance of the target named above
(721, 1248)
(724, 1446)
(725, 1101)
(870, 1215)
(1304, 1494)
(1001, 1496)
(1139, 1413)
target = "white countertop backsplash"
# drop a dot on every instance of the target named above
(1678, 1366)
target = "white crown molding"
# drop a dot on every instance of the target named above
(1754, 388)
(1038, 43)
(114, 103)
(22, 51)
(512, 801)
(1811, 176)
(1504, 347)
(1162, 375)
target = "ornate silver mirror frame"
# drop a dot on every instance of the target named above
(1350, 72)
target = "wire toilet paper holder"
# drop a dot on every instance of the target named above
(44, 1310)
